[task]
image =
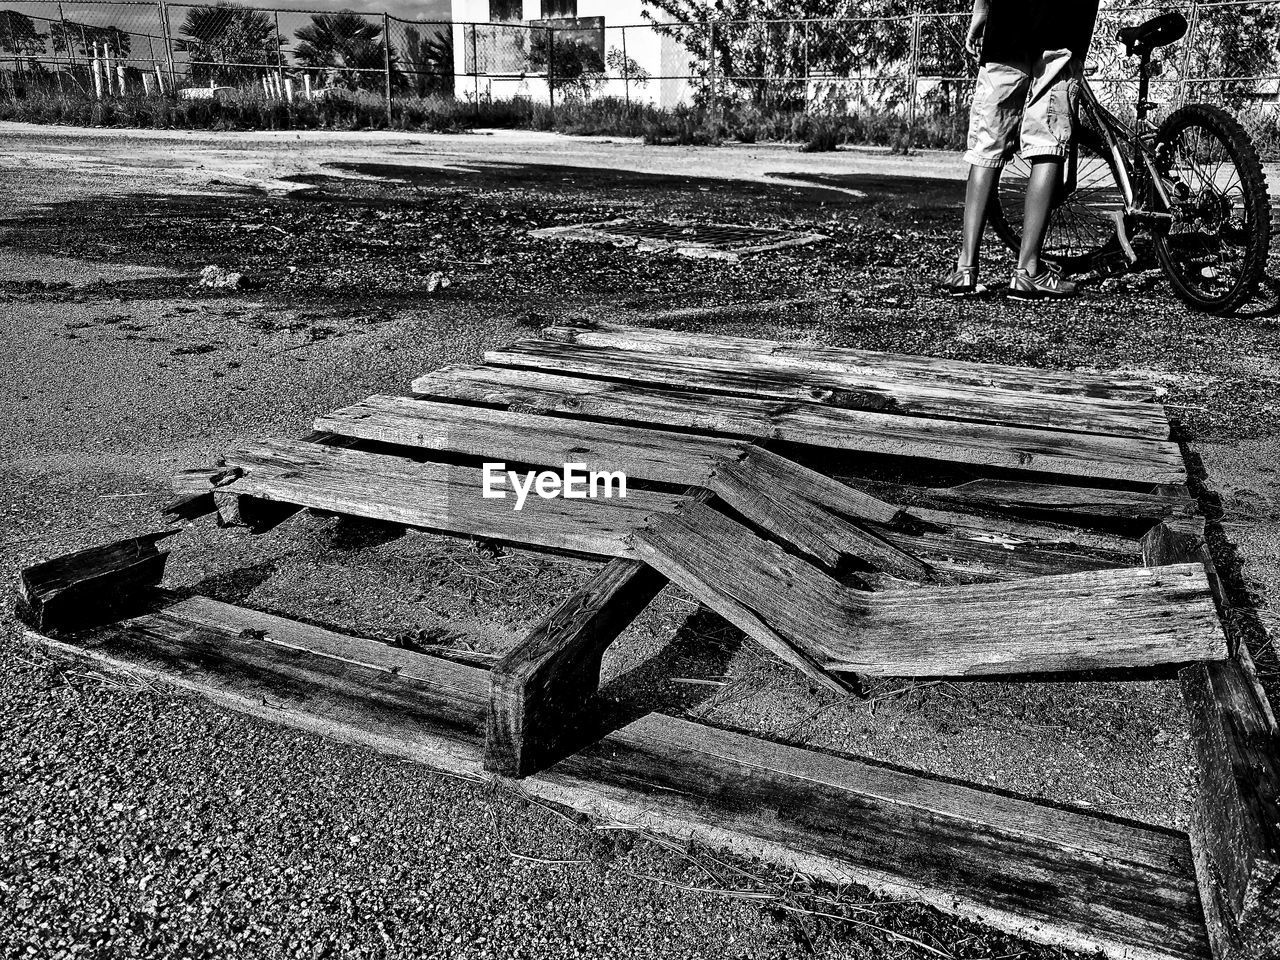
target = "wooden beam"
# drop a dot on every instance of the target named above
(1076, 505)
(540, 691)
(850, 392)
(979, 446)
(800, 506)
(1068, 878)
(437, 496)
(92, 584)
(845, 361)
(1129, 617)
(1236, 819)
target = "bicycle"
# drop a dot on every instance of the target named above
(1194, 184)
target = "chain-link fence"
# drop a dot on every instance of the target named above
(912, 65)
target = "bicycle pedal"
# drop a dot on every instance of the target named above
(1122, 234)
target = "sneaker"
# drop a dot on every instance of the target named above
(961, 282)
(1046, 285)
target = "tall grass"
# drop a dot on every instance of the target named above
(250, 109)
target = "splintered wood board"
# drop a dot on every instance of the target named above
(1057, 453)
(938, 400)
(1063, 877)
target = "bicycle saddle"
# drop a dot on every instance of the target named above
(1156, 32)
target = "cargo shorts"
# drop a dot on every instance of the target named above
(1022, 107)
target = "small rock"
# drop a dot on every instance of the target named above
(216, 278)
(438, 281)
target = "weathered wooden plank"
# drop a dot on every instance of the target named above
(437, 496)
(842, 360)
(90, 584)
(980, 446)
(854, 392)
(1065, 504)
(794, 502)
(540, 691)
(1127, 617)
(1063, 877)
(774, 598)
(1236, 818)
(968, 549)
(1130, 617)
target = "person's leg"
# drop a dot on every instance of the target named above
(998, 96)
(1046, 174)
(977, 199)
(1046, 134)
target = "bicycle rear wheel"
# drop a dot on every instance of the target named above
(1214, 250)
(1080, 231)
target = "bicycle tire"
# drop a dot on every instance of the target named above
(1097, 184)
(1254, 208)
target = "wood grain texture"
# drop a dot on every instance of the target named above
(91, 584)
(845, 360)
(1236, 817)
(1044, 452)
(1127, 617)
(854, 392)
(436, 496)
(1078, 505)
(792, 501)
(1062, 877)
(539, 692)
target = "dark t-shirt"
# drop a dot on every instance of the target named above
(1018, 31)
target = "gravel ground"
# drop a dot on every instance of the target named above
(140, 823)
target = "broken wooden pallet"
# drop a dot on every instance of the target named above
(1023, 577)
(1064, 877)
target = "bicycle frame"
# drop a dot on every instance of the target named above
(1139, 139)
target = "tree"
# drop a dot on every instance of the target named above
(345, 49)
(228, 43)
(757, 46)
(428, 60)
(78, 39)
(627, 67)
(570, 63)
(18, 35)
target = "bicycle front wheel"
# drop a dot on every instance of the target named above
(1081, 230)
(1214, 250)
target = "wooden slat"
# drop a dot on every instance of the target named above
(791, 501)
(1126, 460)
(845, 360)
(436, 496)
(962, 548)
(540, 691)
(1103, 619)
(1080, 505)
(1236, 818)
(1062, 877)
(87, 585)
(912, 398)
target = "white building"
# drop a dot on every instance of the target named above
(500, 50)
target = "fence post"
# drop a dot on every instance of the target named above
(1188, 44)
(168, 46)
(626, 70)
(551, 70)
(386, 62)
(807, 25)
(913, 80)
(279, 52)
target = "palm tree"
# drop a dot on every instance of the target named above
(429, 61)
(345, 49)
(228, 43)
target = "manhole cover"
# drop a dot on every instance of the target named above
(719, 240)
